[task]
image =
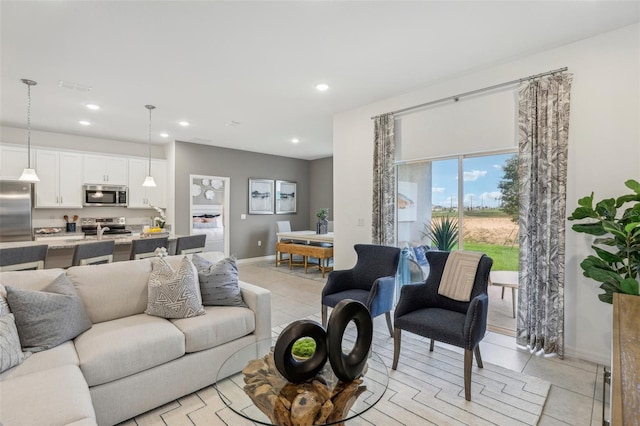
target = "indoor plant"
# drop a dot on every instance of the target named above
(617, 266)
(322, 225)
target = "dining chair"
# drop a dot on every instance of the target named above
(22, 258)
(145, 247)
(191, 244)
(93, 253)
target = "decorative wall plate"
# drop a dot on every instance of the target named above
(209, 194)
(216, 183)
(206, 182)
(196, 190)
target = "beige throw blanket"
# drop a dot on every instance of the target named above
(459, 274)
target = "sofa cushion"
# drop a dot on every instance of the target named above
(113, 290)
(31, 280)
(219, 282)
(174, 293)
(220, 325)
(49, 317)
(64, 354)
(10, 350)
(115, 349)
(56, 396)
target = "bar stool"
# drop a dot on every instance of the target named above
(22, 258)
(93, 253)
(190, 244)
(145, 247)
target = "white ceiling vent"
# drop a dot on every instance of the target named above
(202, 141)
(74, 86)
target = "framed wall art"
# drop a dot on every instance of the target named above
(260, 196)
(286, 197)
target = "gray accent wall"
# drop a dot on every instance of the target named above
(320, 188)
(191, 158)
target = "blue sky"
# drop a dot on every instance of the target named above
(481, 177)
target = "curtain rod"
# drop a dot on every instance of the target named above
(456, 98)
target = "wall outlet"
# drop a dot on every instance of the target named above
(360, 221)
(259, 243)
(243, 216)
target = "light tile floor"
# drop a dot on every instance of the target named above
(575, 397)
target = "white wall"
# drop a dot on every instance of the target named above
(604, 151)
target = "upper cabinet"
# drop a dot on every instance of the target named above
(60, 176)
(105, 170)
(143, 197)
(13, 159)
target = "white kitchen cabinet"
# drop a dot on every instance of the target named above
(105, 170)
(60, 176)
(13, 159)
(143, 197)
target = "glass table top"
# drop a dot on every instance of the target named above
(261, 394)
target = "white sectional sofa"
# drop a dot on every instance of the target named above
(127, 362)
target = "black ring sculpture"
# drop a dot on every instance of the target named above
(349, 366)
(292, 369)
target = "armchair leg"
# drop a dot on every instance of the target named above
(324, 315)
(388, 316)
(431, 345)
(478, 357)
(468, 359)
(396, 347)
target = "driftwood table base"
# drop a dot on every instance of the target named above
(320, 400)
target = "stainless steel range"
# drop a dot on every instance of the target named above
(116, 225)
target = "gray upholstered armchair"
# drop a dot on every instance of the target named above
(371, 281)
(421, 310)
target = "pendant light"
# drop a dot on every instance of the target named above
(29, 174)
(149, 181)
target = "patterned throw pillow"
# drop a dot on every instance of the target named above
(4, 307)
(421, 258)
(174, 294)
(10, 352)
(219, 282)
(49, 317)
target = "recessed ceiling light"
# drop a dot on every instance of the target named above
(183, 123)
(164, 135)
(322, 87)
(84, 123)
(295, 140)
(93, 107)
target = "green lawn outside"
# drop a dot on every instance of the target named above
(505, 258)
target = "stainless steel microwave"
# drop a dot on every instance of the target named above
(102, 195)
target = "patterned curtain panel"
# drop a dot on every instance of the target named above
(543, 133)
(384, 181)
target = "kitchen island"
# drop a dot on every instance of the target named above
(61, 245)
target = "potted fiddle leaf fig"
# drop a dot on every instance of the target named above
(616, 225)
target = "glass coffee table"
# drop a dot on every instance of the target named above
(261, 394)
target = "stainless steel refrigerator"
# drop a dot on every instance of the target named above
(15, 211)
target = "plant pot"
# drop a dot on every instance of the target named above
(322, 226)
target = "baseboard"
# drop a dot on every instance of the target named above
(256, 259)
(598, 358)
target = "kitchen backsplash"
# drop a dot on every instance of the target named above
(43, 218)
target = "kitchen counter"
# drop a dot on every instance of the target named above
(71, 239)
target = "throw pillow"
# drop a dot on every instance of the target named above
(421, 258)
(10, 352)
(174, 294)
(49, 317)
(219, 282)
(4, 307)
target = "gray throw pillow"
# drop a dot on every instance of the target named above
(174, 294)
(219, 282)
(4, 307)
(10, 352)
(49, 317)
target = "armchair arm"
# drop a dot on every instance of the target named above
(338, 281)
(475, 324)
(416, 296)
(381, 296)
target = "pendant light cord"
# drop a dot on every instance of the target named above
(149, 143)
(28, 126)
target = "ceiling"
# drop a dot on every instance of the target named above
(256, 63)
